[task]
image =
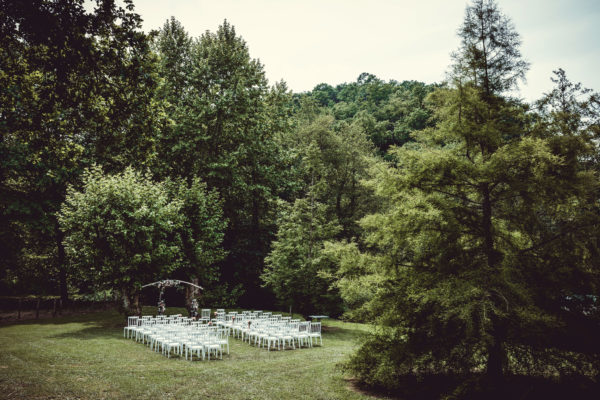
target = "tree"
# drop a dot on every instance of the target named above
(331, 161)
(78, 88)
(125, 230)
(174, 46)
(224, 131)
(386, 111)
(329, 165)
(295, 264)
(489, 56)
(463, 258)
(201, 234)
(121, 232)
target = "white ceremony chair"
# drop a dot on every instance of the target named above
(315, 332)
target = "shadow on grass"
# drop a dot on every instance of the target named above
(341, 333)
(90, 331)
(476, 387)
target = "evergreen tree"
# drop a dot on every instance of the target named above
(463, 259)
(489, 56)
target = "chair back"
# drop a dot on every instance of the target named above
(315, 327)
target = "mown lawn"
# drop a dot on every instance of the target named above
(86, 357)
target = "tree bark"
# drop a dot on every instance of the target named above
(487, 226)
(61, 265)
(496, 356)
(496, 353)
(130, 303)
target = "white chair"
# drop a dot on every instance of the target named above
(212, 345)
(287, 335)
(172, 342)
(223, 339)
(303, 333)
(273, 338)
(132, 323)
(315, 332)
(196, 344)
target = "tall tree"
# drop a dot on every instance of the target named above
(224, 132)
(122, 232)
(295, 266)
(463, 259)
(174, 46)
(78, 88)
(201, 236)
(329, 164)
(489, 56)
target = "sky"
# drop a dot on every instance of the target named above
(307, 42)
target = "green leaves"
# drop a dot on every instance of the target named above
(124, 230)
(483, 224)
(81, 88)
(224, 130)
(296, 259)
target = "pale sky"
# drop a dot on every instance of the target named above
(333, 41)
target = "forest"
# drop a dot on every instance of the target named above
(459, 220)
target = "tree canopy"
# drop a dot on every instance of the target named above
(124, 230)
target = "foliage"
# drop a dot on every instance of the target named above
(329, 165)
(330, 162)
(201, 235)
(224, 127)
(296, 261)
(489, 221)
(124, 230)
(386, 111)
(121, 232)
(78, 88)
(489, 55)
(460, 220)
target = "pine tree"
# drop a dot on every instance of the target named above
(464, 255)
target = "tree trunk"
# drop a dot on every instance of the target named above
(496, 356)
(487, 227)
(130, 303)
(61, 264)
(495, 362)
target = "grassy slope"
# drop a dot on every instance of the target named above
(86, 357)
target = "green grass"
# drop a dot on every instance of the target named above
(86, 357)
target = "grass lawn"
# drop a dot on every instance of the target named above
(86, 357)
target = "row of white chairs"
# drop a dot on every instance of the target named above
(265, 330)
(178, 335)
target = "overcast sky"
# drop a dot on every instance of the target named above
(307, 42)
